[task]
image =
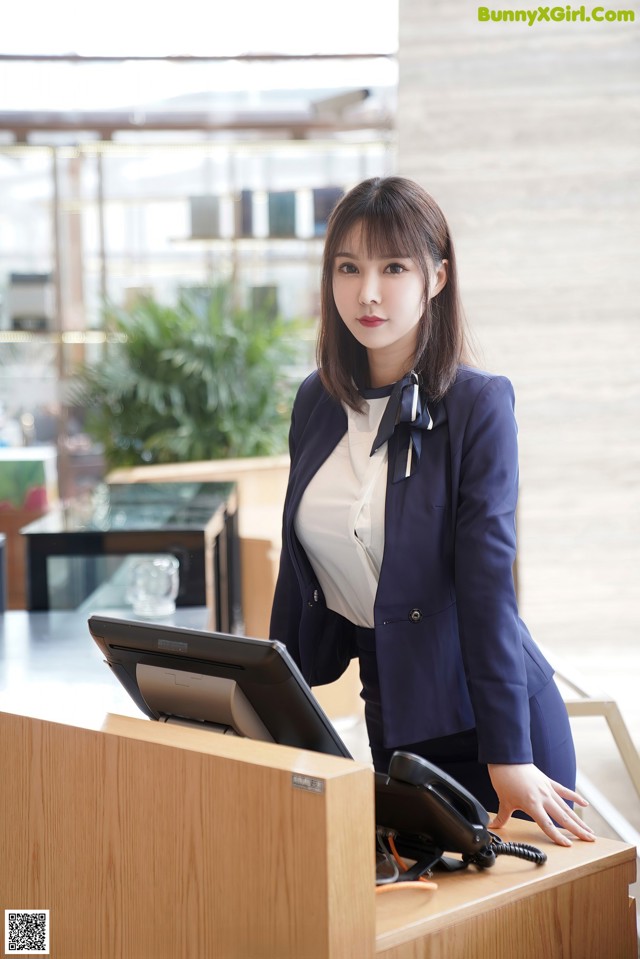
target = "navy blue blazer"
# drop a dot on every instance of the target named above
(452, 652)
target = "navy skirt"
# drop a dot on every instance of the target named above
(457, 755)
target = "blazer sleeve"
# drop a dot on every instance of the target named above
(485, 549)
(286, 610)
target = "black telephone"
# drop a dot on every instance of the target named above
(427, 813)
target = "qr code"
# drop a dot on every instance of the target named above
(26, 932)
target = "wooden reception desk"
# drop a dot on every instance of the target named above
(148, 841)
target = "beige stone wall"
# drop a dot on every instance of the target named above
(529, 137)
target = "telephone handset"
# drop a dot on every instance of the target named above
(428, 813)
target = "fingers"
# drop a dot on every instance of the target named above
(502, 817)
(567, 819)
(542, 819)
(568, 793)
(551, 817)
(555, 816)
(550, 829)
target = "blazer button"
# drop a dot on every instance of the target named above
(415, 615)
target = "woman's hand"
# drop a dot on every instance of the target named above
(526, 788)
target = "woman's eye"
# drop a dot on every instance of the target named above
(346, 268)
(396, 268)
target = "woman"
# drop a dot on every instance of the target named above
(399, 521)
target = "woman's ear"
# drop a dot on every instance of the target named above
(440, 279)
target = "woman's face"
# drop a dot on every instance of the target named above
(381, 300)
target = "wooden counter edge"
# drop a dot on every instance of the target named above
(233, 747)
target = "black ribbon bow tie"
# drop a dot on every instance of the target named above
(407, 411)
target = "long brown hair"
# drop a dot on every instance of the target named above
(398, 218)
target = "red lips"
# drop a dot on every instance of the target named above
(370, 321)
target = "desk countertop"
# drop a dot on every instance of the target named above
(403, 916)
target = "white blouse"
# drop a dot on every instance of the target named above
(340, 521)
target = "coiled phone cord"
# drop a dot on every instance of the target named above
(497, 847)
(520, 850)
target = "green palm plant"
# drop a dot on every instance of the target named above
(197, 381)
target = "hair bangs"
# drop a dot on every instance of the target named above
(383, 236)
